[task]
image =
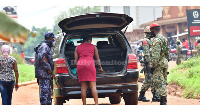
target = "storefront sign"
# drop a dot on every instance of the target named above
(193, 19)
(10, 11)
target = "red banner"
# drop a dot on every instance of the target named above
(194, 30)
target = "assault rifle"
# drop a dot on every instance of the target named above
(146, 67)
(52, 73)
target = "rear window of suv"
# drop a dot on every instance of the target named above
(77, 42)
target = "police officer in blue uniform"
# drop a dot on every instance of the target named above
(44, 67)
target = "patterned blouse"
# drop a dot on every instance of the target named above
(6, 68)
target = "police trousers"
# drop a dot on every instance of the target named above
(45, 91)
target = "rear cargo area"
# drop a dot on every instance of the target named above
(111, 48)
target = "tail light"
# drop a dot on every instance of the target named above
(32, 60)
(189, 53)
(60, 66)
(132, 62)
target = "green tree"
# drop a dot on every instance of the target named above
(58, 18)
(31, 42)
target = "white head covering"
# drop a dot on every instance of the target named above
(5, 51)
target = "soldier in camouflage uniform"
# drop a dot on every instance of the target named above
(198, 47)
(165, 53)
(159, 56)
(146, 44)
(179, 52)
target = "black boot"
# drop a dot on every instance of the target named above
(163, 101)
(155, 98)
(142, 97)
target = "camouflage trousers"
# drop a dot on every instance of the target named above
(159, 81)
(178, 60)
(165, 74)
(45, 92)
(147, 83)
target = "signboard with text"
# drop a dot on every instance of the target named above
(11, 11)
(193, 20)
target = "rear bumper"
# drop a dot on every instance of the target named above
(103, 91)
(106, 86)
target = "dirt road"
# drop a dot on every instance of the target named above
(29, 95)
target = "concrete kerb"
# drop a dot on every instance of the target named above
(27, 83)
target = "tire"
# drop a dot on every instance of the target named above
(115, 99)
(131, 98)
(58, 101)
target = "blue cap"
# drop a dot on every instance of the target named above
(49, 34)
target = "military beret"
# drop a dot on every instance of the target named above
(154, 24)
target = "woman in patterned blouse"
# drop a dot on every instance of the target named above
(7, 78)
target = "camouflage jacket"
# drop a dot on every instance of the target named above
(164, 49)
(179, 49)
(146, 44)
(157, 58)
(198, 49)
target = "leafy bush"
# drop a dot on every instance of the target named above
(187, 75)
(18, 57)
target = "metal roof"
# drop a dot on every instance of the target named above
(165, 21)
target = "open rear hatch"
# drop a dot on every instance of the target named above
(111, 48)
(112, 51)
(95, 21)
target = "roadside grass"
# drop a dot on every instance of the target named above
(26, 72)
(187, 75)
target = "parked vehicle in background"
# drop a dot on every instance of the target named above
(185, 54)
(118, 61)
(29, 60)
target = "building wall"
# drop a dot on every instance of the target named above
(171, 12)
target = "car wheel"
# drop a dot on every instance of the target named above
(131, 98)
(115, 99)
